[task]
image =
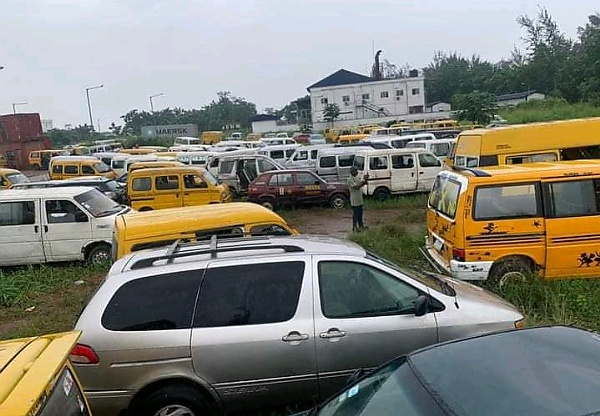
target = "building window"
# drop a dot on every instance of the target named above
(399, 93)
(415, 109)
(416, 91)
(346, 99)
(366, 96)
(384, 94)
(324, 101)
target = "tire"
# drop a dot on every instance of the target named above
(99, 254)
(381, 194)
(176, 399)
(268, 203)
(510, 270)
(142, 209)
(337, 201)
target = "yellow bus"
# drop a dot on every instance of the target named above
(535, 142)
(505, 222)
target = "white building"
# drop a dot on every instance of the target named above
(511, 100)
(266, 123)
(360, 97)
(47, 125)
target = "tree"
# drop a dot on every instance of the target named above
(331, 112)
(297, 111)
(116, 130)
(477, 107)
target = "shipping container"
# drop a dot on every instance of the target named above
(20, 126)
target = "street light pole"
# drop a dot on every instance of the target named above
(160, 94)
(87, 93)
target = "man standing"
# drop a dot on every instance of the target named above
(356, 198)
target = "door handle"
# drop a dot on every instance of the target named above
(294, 336)
(36, 228)
(186, 194)
(45, 228)
(332, 333)
(412, 174)
(421, 173)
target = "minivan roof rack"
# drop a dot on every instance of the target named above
(198, 248)
(475, 172)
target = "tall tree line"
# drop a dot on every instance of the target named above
(551, 63)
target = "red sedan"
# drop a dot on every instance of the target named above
(296, 187)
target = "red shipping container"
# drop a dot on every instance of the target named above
(20, 126)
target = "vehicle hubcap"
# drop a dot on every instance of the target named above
(175, 410)
(100, 256)
(511, 277)
(338, 203)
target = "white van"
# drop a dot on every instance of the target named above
(279, 153)
(106, 157)
(186, 141)
(56, 224)
(117, 163)
(397, 171)
(305, 157)
(440, 148)
(277, 141)
(399, 142)
(334, 164)
(195, 158)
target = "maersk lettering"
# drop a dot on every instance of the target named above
(171, 131)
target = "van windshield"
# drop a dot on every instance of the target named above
(66, 398)
(101, 167)
(118, 164)
(208, 177)
(98, 204)
(17, 178)
(444, 196)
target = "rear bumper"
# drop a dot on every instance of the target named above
(108, 403)
(462, 270)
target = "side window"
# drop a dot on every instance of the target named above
(428, 161)
(194, 182)
(166, 182)
(59, 211)
(289, 152)
(72, 169)
(327, 162)
(17, 213)
(214, 163)
(249, 294)
(57, 168)
(88, 170)
(345, 160)
(35, 155)
(402, 162)
(285, 179)
(399, 144)
(367, 291)
(303, 155)
(306, 179)
(141, 184)
(268, 229)
(506, 201)
(277, 154)
(378, 163)
(154, 303)
(265, 165)
(273, 180)
(574, 198)
(313, 154)
(226, 166)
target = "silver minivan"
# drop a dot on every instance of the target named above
(334, 164)
(235, 324)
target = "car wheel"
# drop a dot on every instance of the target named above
(174, 400)
(99, 254)
(268, 203)
(510, 270)
(337, 201)
(381, 194)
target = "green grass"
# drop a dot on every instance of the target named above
(548, 110)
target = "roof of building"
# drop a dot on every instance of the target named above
(435, 103)
(264, 117)
(341, 77)
(514, 96)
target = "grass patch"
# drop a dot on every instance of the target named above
(43, 299)
(548, 110)
(404, 202)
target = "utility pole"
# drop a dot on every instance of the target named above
(160, 94)
(87, 93)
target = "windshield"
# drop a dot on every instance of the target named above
(118, 164)
(17, 178)
(98, 204)
(391, 390)
(66, 398)
(208, 177)
(444, 196)
(101, 167)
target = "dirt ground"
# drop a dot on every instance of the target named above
(326, 221)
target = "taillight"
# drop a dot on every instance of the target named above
(83, 354)
(458, 254)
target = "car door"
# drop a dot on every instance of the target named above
(66, 230)
(364, 316)
(196, 191)
(404, 173)
(167, 192)
(20, 233)
(429, 167)
(282, 186)
(253, 336)
(309, 188)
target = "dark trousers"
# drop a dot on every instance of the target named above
(357, 218)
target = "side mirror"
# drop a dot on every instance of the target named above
(421, 305)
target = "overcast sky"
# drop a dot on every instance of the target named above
(267, 51)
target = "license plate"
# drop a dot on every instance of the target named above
(437, 244)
